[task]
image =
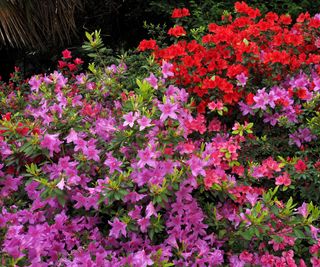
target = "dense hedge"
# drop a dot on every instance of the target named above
(201, 148)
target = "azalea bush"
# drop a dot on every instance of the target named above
(201, 153)
(253, 68)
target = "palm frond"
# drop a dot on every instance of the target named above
(37, 23)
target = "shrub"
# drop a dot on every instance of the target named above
(118, 166)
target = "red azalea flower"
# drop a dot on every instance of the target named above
(21, 129)
(317, 165)
(36, 130)
(285, 19)
(147, 44)
(249, 99)
(66, 54)
(283, 179)
(242, 7)
(211, 178)
(7, 116)
(302, 93)
(78, 61)
(61, 64)
(168, 150)
(300, 166)
(180, 13)
(10, 170)
(72, 67)
(303, 17)
(177, 31)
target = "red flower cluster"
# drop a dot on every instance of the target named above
(242, 7)
(147, 44)
(180, 13)
(65, 64)
(259, 48)
(177, 31)
(300, 166)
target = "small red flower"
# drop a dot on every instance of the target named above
(147, 44)
(302, 93)
(36, 131)
(168, 150)
(7, 116)
(177, 31)
(300, 166)
(66, 54)
(180, 13)
(78, 61)
(72, 67)
(242, 7)
(21, 129)
(317, 165)
(10, 170)
(61, 64)
(303, 17)
(283, 179)
(249, 99)
(285, 19)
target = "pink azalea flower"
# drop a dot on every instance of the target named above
(196, 165)
(246, 256)
(5, 150)
(150, 210)
(252, 198)
(314, 232)
(92, 153)
(47, 80)
(80, 144)
(129, 118)
(112, 163)
(144, 224)
(81, 78)
(72, 137)
(52, 143)
(135, 213)
(245, 109)
(315, 262)
(134, 197)
(215, 105)
(10, 184)
(118, 228)
(168, 110)
(144, 122)
(61, 184)
(152, 80)
(242, 79)
(59, 79)
(141, 259)
(167, 69)
(261, 99)
(303, 210)
(283, 179)
(35, 83)
(146, 157)
(302, 263)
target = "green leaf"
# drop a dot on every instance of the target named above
(250, 125)
(298, 233)
(277, 239)
(247, 235)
